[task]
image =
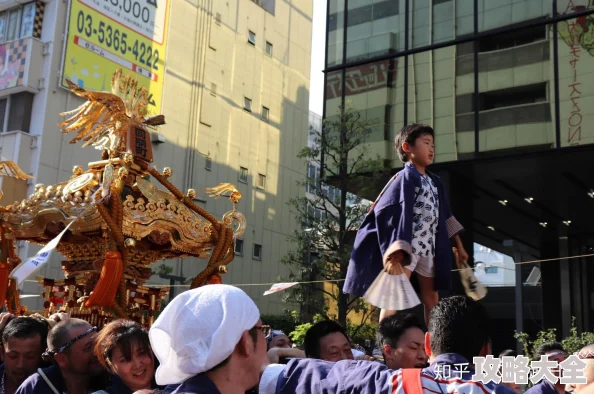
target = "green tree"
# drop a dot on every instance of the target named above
(573, 343)
(329, 216)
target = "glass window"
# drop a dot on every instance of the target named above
(376, 91)
(494, 14)
(312, 178)
(239, 247)
(13, 24)
(252, 38)
(335, 26)
(3, 19)
(261, 181)
(268, 48)
(247, 104)
(268, 5)
(434, 85)
(439, 21)
(516, 84)
(257, 255)
(243, 174)
(374, 28)
(265, 114)
(28, 20)
(213, 89)
(208, 163)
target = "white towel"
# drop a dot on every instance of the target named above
(199, 329)
(392, 292)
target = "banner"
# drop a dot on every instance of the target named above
(280, 287)
(104, 35)
(30, 266)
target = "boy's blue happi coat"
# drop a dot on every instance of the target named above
(389, 227)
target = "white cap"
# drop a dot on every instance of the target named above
(199, 329)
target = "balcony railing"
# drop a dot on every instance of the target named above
(520, 114)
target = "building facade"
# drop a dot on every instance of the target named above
(507, 86)
(231, 78)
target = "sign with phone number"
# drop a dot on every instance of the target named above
(104, 35)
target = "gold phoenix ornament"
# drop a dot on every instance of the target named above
(131, 216)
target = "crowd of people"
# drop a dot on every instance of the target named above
(211, 340)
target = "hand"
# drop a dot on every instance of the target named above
(394, 264)
(461, 256)
(5, 317)
(57, 317)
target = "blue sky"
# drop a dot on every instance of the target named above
(318, 44)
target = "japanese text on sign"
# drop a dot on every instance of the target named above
(105, 35)
(518, 370)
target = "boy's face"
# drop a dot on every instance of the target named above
(423, 150)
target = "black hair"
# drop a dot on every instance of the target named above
(546, 348)
(393, 327)
(410, 134)
(25, 327)
(311, 344)
(459, 325)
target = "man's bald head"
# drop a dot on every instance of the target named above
(589, 349)
(586, 354)
(63, 332)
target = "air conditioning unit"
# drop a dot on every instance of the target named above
(158, 138)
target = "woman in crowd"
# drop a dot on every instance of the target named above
(123, 348)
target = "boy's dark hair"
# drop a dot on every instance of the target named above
(410, 134)
(25, 327)
(393, 327)
(311, 344)
(459, 325)
(546, 348)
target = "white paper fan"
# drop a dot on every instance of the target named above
(392, 292)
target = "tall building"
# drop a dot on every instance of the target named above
(231, 78)
(507, 87)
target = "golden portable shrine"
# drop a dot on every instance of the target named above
(117, 218)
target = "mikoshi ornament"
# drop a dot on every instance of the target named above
(116, 218)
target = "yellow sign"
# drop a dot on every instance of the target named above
(104, 35)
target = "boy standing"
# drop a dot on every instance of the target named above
(409, 227)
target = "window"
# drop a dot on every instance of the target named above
(243, 174)
(252, 37)
(511, 97)
(15, 112)
(213, 89)
(247, 104)
(491, 270)
(313, 174)
(218, 19)
(239, 247)
(510, 40)
(17, 22)
(257, 255)
(268, 48)
(261, 181)
(265, 114)
(268, 5)
(208, 163)
(28, 20)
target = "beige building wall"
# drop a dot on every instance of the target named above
(207, 46)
